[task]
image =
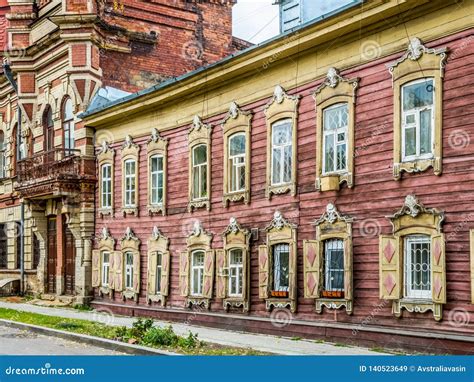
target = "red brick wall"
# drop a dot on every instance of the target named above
(374, 196)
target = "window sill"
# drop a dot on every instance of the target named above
(333, 303)
(332, 182)
(235, 197)
(280, 303)
(130, 211)
(130, 294)
(280, 189)
(105, 290)
(199, 203)
(158, 298)
(417, 165)
(106, 212)
(197, 301)
(156, 209)
(417, 306)
(236, 302)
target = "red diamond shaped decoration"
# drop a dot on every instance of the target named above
(263, 260)
(389, 283)
(208, 263)
(207, 286)
(311, 283)
(438, 287)
(311, 255)
(437, 252)
(389, 251)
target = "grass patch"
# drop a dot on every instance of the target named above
(143, 333)
(82, 307)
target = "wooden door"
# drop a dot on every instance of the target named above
(70, 260)
(52, 256)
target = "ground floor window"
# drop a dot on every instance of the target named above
(197, 273)
(418, 266)
(333, 268)
(159, 271)
(128, 270)
(235, 272)
(105, 268)
(281, 270)
(3, 247)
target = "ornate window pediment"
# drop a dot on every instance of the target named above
(157, 150)
(232, 267)
(281, 114)
(420, 72)
(415, 250)
(328, 262)
(277, 264)
(237, 146)
(130, 166)
(335, 119)
(158, 267)
(196, 268)
(105, 160)
(199, 143)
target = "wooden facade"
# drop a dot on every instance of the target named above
(378, 203)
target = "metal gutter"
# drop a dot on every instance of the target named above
(221, 62)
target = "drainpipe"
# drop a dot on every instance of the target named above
(11, 80)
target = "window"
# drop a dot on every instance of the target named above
(335, 138)
(105, 268)
(333, 268)
(197, 272)
(159, 272)
(128, 270)
(156, 179)
(3, 247)
(68, 127)
(106, 186)
(130, 182)
(235, 272)
(282, 155)
(281, 264)
(36, 251)
(418, 266)
(199, 172)
(417, 119)
(237, 162)
(48, 127)
(2, 155)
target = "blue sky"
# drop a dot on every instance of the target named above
(255, 20)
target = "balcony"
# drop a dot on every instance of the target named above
(55, 172)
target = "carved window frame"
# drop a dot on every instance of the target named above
(157, 145)
(106, 156)
(331, 225)
(157, 243)
(198, 240)
(280, 107)
(413, 219)
(199, 134)
(418, 62)
(131, 244)
(234, 237)
(105, 243)
(236, 121)
(335, 90)
(130, 151)
(279, 231)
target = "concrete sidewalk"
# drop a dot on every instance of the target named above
(260, 342)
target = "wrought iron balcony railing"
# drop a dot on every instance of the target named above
(50, 165)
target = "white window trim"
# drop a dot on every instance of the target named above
(157, 173)
(237, 267)
(103, 270)
(327, 268)
(199, 168)
(416, 125)
(281, 152)
(159, 272)
(334, 133)
(415, 294)
(128, 271)
(106, 180)
(275, 287)
(129, 201)
(235, 166)
(200, 269)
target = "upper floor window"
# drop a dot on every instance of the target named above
(237, 162)
(417, 119)
(105, 268)
(2, 154)
(128, 270)
(335, 122)
(130, 182)
(156, 179)
(197, 272)
(418, 266)
(68, 126)
(235, 272)
(199, 168)
(106, 186)
(48, 127)
(282, 149)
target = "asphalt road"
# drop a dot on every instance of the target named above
(22, 342)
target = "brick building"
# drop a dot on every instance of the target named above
(57, 55)
(317, 185)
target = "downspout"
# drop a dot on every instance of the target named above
(11, 80)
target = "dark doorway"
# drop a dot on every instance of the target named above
(3, 247)
(69, 260)
(36, 252)
(52, 256)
